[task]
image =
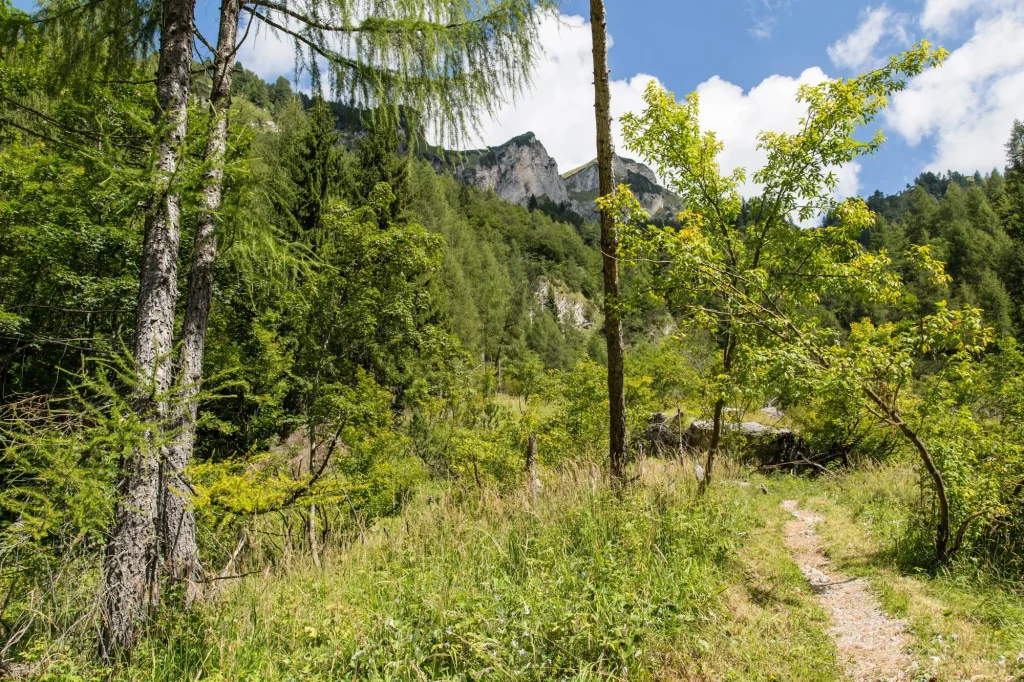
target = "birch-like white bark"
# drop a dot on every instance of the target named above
(179, 526)
(132, 551)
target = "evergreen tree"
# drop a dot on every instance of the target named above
(1014, 220)
(923, 207)
(450, 68)
(380, 161)
(318, 169)
(248, 85)
(280, 93)
(1015, 181)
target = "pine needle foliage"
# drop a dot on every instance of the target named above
(443, 62)
(85, 41)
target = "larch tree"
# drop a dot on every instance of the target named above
(447, 61)
(609, 248)
(110, 41)
(133, 550)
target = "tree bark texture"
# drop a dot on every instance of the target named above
(942, 529)
(179, 527)
(531, 466)
(132, 550)
(609, 248)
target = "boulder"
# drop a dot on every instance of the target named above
(665, 431)
(698, 436)
(762, 446)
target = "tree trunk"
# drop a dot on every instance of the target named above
(716, 439)
(311, 525)
(609, 249)
(942, 528)
(716, 431)
(179, 521)
(311, 530)
(531, 466)
(132, 550)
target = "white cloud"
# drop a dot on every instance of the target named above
(737, 117)
(765, 14)
(559, 108)
(968, 106)
(763, 29)
(267, 53)
(270, 53)
(940, 15)
(857, 50)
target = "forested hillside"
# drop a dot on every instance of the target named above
(972, 223)
(288, 392)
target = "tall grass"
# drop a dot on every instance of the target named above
(574, 585)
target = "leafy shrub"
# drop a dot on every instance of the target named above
(58, 462)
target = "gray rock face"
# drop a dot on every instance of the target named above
(585, 178)
(522, 168)
(517, 170)
(571, 307)
(583, 185)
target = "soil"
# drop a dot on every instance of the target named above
(872, 646)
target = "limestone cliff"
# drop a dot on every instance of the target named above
(517, 170)
(583, 186)
(522, 168)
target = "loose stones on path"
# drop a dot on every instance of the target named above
(872, 645)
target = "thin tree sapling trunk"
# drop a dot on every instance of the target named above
(718, 417)
(942, 531)
(531, 466)
(609, 249)
(311, 524)
(716, 439)
(132, 552)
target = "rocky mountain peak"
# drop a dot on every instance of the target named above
(522, 168)
(585, 178)
(583, 185)
(517, 170)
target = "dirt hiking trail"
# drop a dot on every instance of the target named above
(872, 646)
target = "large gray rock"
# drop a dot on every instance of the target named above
(765, 446)
(517, 170)
(583, 185)
(666, 431)
(700, 433)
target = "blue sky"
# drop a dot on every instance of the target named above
(746, 58)
(686, 42)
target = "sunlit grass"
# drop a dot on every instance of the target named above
(578, 584)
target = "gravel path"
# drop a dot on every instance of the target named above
(873, 646)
